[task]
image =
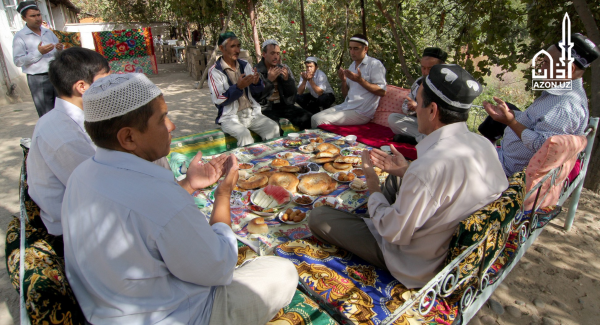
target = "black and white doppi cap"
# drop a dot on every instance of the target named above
(452, 85)
(26, 5)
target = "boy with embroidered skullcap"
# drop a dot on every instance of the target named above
(137, 249)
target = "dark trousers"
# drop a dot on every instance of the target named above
(42, 92)
(315, 105)
(294, 114)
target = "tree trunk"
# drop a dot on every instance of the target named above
(362, 17)
(394, 29)
(213, 56)
(593, 32)
(303, 27)
(345, 37)
(406, 37)
(254, 30)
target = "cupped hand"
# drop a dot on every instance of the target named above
(353, 76)
(201, 175)
(394, 164)
(231, 170)
(341, 74)
(245, 81)
(45, 48)
(273, 73)
(370, 174)
(500, 112)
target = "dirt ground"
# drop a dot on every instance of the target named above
(561, 272)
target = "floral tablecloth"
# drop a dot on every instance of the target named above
(261, 155)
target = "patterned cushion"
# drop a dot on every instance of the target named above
(359, 292)
(390, 103)
(495, 219)
(558, 150)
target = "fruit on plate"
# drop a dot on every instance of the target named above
(271, 196)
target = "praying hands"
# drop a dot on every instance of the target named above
(201, 175)
(394, 164)
(372, 178)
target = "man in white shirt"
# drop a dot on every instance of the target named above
(137, 249)
(59, 142)
(33, 49)
(363, 84)
(405, 125)
(320, 94)
(456, 174)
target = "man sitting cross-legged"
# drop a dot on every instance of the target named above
(278, 97)
(59, 142)
(320, 94)
(405, 125)
(362, 85)
(137, 249)
(232, 82)
(412, 220)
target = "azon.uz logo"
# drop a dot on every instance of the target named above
(558, 75)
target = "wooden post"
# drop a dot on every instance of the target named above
(362, 15)
(304, 26)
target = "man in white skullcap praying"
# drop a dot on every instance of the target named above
(320, 94)
(137, 249)
(363, 84)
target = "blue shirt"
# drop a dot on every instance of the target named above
(25, 50)
(554, 112)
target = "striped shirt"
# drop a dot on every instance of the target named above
(554, 112)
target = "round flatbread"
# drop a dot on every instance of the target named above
(316, 184)
(286, 180)
(253, 182)
(321, 160)
(329, 167)
(341, 165)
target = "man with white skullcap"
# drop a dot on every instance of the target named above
(320, 94)
(405, 125)
(33, 49)
(414, 214)
(137, 249)
(362, 86)
(555, 111)
(232, 83)
(279, 95)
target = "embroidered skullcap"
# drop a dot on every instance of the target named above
(452, 85)
(584, 51)
(225, 36)
(116, 95)
(311, 59)
(269, 42)
(435, 52)
(26, 5)
(359, 38)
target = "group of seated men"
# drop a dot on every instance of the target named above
(137, 249)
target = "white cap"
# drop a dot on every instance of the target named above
(116, 95)
(269, 42)
(311, 59)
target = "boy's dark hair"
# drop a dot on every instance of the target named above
(447, 116)
(104, 133)
(315, 63)
(72, 65)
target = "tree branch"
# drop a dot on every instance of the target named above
(213, 56)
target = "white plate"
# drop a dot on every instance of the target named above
(303, 149)
(334, 201)
(247, 169)
(282, 154)
(266, 214)
(280, 214)
(336, 175)
(236, 200)
(313, 199)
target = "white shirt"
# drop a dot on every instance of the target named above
(137, 249)
(59, 144)
(358, 98)
(320, 79)
(456, 174)
(25, 50)
(412, 95)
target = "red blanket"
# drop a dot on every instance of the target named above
(373, 135)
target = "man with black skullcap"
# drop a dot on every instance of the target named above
(320, 94)
(415, 213)
(405, 125)
(278, 97)
(556, 111)
(363, 84)
(232, 84)
(137, 249)
(33, 49)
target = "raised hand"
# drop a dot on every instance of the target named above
(59, 46)
(231, 169)
(394, 165)
(273, 73)
(411, 104)
(500, 113)
(201, 175)
(256, 75)
(341, 74)
(353, 76)
(370, 174)
(304, 75)
(245, 81)
(285, 73)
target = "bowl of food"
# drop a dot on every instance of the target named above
(329, 201)
(306, 168)
(309, 148)
(278, 162)
(286, 155)
(386, 149)
(303, 199)
(359, 185)
(268, 201)
(246, 165)
(293, 140)
(344, 177)
(292, 216)
(238, 198)
(351, 151)
(351, 140)
(358, 172)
